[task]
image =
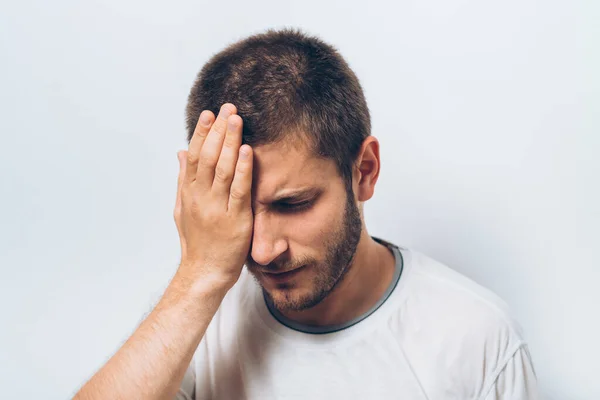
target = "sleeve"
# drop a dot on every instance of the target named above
(186, 389)
(517, 380)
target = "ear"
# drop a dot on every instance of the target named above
(366, 169)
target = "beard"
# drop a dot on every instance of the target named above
(339, 255)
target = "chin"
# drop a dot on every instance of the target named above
(294, 298)
(286, 299)
(296, 293)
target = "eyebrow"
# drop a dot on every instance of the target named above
(295, 195)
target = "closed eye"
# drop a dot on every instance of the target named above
(294, 207)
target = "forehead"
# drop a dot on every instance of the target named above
(282, 167)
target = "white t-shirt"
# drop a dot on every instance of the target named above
(435, 334)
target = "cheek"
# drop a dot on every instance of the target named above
(312, 229)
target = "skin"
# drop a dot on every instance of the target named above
(331, 288)
(225, 217)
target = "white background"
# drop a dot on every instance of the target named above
(487, 114)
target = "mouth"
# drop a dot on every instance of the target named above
(278, 277)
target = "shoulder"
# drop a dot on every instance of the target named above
(451, 326)
(456, 302)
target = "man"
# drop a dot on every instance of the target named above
(279, 164)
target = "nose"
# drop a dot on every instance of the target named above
(267, 241)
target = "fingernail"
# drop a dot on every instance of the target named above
(204, 118)
(243, 153)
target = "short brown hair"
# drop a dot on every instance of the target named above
(286, 85)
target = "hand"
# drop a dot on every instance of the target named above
(213, 212)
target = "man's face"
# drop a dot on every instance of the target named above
(305, 221)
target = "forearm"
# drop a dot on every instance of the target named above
(152, 362)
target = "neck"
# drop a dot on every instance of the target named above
(365, 282)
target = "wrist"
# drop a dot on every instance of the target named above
(192, 279)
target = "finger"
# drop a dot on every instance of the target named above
(182, 157)
(239, 194)
(225, 168)
(205, 121)
(211, 149)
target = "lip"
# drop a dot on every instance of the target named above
(283, 276)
